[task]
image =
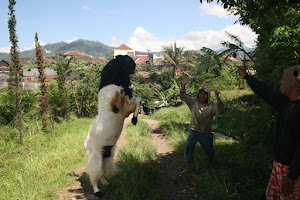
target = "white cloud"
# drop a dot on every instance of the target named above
(69, 41)
(143, 40)
(215, 10)
(245, 34)
(86, 8)
(115, 42)
(193, 40)
(29, 48)
(5, 49)
(32, 46)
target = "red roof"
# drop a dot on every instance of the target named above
(25, 60)
(143, 74)
(101, 58)
(4, 68)
(141, 59)
(123, 47)
(73, 53)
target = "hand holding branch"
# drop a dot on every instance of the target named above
(217, 93)
(242, 71)
(185, 80)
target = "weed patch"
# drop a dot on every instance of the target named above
(242, 169)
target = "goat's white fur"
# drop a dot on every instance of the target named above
(105, 131)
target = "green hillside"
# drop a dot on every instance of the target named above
(83, 46)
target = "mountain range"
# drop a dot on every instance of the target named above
(94, 48)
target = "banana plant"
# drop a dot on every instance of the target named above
(234, 47)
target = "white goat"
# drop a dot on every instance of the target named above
(113, 107)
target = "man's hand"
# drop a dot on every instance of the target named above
(287, 186)
(242, 71)
(185, 79)
(217, 94)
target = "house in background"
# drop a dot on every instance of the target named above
(81, 57)
(4, 73)
(143, 59)
(32, 74)
(123, 50)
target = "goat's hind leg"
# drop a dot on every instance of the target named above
(108, 165)
(94, 170)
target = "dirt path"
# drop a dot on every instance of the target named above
(175, 185)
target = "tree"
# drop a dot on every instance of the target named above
(42, 77)
(85, 87)
(61, 68)
(276, 22)
(173, 56)
(15, 66)
(210, 60)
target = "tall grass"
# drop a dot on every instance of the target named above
(242, 169)
(138, 167)
(44, 164)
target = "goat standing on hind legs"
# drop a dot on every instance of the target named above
(115, 103)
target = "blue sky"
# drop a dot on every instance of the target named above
(140, 25)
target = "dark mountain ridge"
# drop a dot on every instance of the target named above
(94, 48)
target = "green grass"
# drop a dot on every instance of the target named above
(242, 169)
(44, 164)
(138, 166)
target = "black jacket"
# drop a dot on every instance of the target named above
(286, 141)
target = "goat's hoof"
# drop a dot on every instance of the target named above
(115, 109)
(99, 194)
(134, 120)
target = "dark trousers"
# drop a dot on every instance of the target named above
(205, 139)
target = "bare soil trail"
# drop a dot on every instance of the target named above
(175, 186)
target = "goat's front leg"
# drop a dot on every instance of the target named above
(115, 102)
(137, 103)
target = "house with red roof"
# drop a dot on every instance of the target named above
(32, 74)
(124, 50)
(143, 59)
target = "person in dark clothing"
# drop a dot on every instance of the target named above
(284, 182)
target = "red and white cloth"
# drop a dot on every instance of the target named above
(273, 190)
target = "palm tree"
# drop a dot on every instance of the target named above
(173, 56)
